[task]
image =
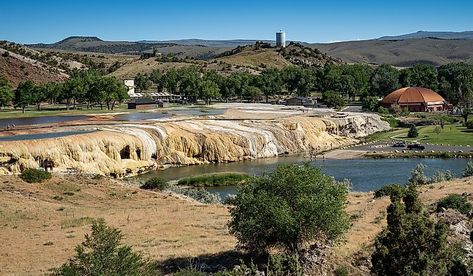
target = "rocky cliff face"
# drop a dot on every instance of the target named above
(129, 149)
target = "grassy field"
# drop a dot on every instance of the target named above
(454, 135)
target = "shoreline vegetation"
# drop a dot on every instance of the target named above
(440, 154)
(214, 180)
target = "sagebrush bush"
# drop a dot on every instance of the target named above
(468, 171)
(440, 176)
(389, 190)
(35, 175)
(455, 201)
(155, 183)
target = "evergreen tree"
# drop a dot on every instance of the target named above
(412, 243)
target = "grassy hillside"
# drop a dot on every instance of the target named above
(17, 68)
(401, 53)
(41, 224)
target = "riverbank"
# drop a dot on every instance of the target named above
(40, 224)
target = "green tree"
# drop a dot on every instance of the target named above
(102, 254)
(142, 82)
(111, 91)
(456, 83)
(171, 81)
(424, 75)
(289, 208)
(333, 99)
(253, 93)
(413, 132)
(271, 82)
(370, 103)
(6, 92)
(384, 80)
(190, 82)
(157, 78)
(23, 95)
(208, 90)
(412, 243)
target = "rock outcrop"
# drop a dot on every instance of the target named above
(128, 149)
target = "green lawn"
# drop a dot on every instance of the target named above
(450, 135)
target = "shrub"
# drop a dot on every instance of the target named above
(417, 176)
(288, 208)
(468, 171)
(102, 254)
(412, 243)
(413, 133)
(201, 195)
(341, 271)
(454, 201)
(469, 124)
(389, 190)
(155, 183)
(383, 110)
(34, 175)
(440, 176)
(214, 180)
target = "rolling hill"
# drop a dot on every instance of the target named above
(424, 34)
(19, 63)
(402, 53)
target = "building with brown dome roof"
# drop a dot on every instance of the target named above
(417, 99)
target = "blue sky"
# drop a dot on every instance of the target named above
(310, 21)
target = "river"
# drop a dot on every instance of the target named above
(365, 174)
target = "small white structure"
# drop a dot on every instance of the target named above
(130, 84)
(281, 39)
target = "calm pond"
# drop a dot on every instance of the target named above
(365, 174)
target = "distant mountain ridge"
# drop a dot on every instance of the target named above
(426, 34)
(430, 47)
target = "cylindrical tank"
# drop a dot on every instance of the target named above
(280, 39)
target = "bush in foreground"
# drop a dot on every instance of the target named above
(34, 175)
(288, 208)
(214, 180)
(454, 201)
(155, 183)
(412, 243)
(102, 254)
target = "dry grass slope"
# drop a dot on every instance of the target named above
(40, 224)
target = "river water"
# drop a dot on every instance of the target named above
(365, 174)
(39, 120)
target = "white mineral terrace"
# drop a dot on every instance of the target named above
(245, 131)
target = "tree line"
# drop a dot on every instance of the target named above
(88, 87)
(337, 83)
